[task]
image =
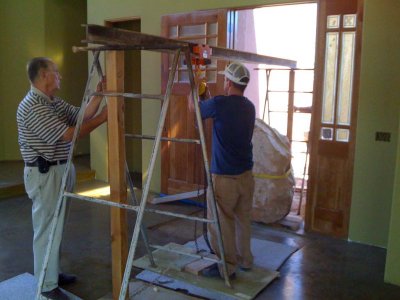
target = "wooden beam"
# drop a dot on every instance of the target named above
(120, 39)
(116, 162)
(230, 54)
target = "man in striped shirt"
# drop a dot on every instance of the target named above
(46, 126)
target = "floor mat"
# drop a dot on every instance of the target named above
(22, 287)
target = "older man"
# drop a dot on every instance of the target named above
(46, 125)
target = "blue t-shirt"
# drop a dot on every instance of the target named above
(234, 117)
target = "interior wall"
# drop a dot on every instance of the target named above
(37, 28)
(378, 110)
(61, 18)
(21, 37)
(133, 107)
(389, 11)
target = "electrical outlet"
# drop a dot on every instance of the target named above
(382, 136)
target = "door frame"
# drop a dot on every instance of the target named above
(315, 132)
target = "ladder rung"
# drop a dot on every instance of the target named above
(282, 69)
(136, 208)
(296, 92)
(151, 137)
(182, 216)
(101, 201)
(130, 95)
(166, 248)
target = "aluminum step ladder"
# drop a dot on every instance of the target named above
(140, 209)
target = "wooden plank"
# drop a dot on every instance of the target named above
(116, 161)
(198, 265)
(230, 54)
(120, 39)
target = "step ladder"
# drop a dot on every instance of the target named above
(141, 208)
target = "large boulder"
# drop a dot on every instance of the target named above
(274, 182)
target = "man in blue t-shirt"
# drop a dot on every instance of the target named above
(231, 164)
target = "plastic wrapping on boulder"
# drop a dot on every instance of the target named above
(274, 181)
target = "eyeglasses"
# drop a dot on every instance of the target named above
(54, 71)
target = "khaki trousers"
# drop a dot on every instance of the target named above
(44, 191)
(234, 198)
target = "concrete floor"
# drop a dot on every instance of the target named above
(323, 268)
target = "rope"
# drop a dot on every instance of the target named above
(269, 176)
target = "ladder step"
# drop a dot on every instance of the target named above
(129, 95)
(135, 208)
(175, 197)
(101, 201)
(151, 137)
(174, 250)
(182, 216)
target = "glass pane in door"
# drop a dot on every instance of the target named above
(328, 102)
(346, 78)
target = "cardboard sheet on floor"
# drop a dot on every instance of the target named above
(169, 273)
(23, 287)
(267, 254)
(143, 290)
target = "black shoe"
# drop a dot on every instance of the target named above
(55, 294)
(213, 271)
(64, 278)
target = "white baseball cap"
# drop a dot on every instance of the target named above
(237, 73)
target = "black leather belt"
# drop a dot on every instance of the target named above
(50, 163)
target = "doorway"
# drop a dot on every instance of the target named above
(282, 97)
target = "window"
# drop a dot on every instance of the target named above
(338, 78)
(204, 33)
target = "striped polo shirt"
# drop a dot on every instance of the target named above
(41, 124)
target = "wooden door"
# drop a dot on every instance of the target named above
(182, 167)
(334, 116)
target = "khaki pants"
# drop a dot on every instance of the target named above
(44, 191)
(234, 198)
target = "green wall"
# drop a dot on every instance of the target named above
(392, 271)
(38, 28)
(378, 111)
(391, 44)
(21, 38)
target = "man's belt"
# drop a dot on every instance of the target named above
(49, 163)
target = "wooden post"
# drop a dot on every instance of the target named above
(116, 162)
(290, 106)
